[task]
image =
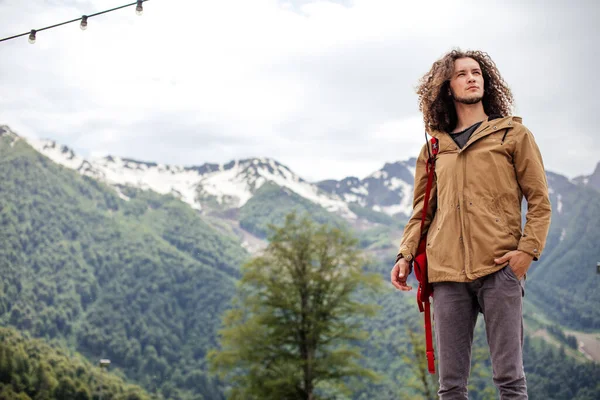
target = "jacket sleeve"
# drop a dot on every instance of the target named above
(411, 236)
(531, 176)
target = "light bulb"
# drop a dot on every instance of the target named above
(32, 36)
(84, 23)
(139, 9)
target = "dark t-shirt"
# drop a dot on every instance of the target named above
(461, 138)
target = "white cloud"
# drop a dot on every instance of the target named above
(325, 87)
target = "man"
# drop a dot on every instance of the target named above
(478, 253)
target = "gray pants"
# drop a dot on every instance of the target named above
(456, 306)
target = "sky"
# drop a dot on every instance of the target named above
(327, 88)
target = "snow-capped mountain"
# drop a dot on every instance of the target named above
(229, 185)
(389, 190)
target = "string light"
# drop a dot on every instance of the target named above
(83, 24)
(139, 9)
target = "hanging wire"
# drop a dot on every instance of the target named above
(32, 33)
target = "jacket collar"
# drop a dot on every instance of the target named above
(487, 127)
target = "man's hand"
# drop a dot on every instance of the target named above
(518, 261)
(399, 275)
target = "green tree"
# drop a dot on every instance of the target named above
(295, 325)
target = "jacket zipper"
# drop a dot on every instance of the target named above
(463, 235)
(462, 199)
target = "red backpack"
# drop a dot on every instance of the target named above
(425, 289)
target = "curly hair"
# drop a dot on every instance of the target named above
(437, 105)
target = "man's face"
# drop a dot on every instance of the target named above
(466, 83)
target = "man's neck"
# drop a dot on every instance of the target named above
(468, 114)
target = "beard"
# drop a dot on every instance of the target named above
(468, 100)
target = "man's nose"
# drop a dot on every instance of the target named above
(471, 78)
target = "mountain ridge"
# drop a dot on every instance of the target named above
(220, 186)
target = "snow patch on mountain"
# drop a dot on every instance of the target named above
(406, 205)
(360, 190)
(228, 185)
(391, 210)
(352, 198)
(379, 175)
(59, 154)
(6, 131)
(395, 183)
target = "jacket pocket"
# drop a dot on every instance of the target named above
(489, 235)
(434, 227)
(444, 241)
(500, 215)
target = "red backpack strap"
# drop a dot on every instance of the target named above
(430, 174)
(429, 339)
(424, 290)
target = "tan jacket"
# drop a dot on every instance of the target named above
(476, 198)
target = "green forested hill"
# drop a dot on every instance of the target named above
(565, 283)
(143, 282)
(32, 369)
(551, 375)
(271, 203)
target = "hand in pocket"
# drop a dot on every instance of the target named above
(518, 262)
